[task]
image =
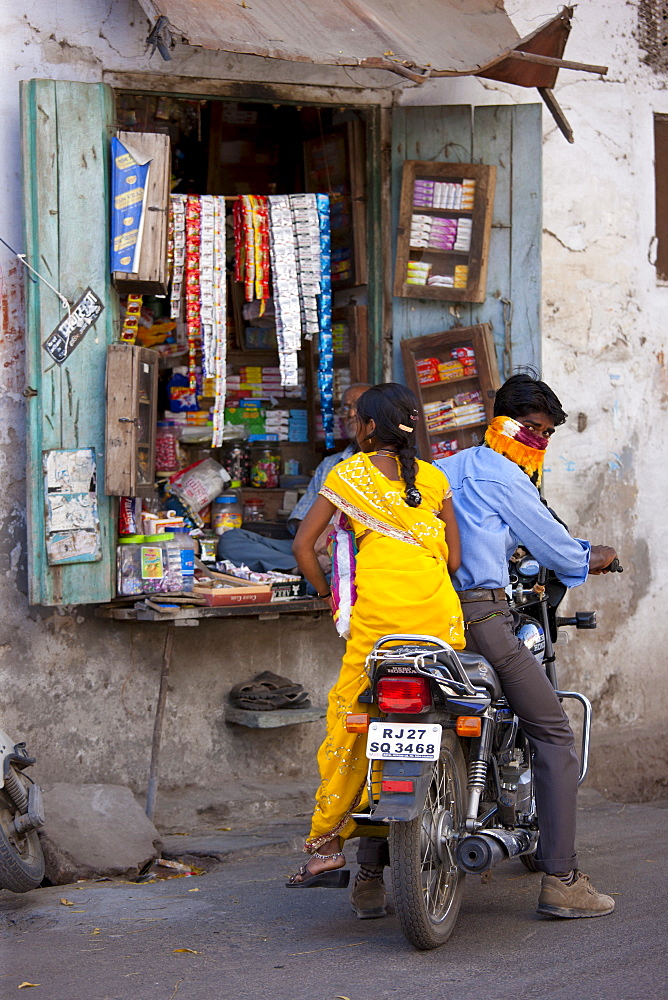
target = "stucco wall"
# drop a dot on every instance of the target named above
(604, 351)
(83, 692)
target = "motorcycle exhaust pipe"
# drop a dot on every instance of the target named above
(479, 852)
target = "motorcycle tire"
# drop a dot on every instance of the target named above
(21, 857)
(426, 881)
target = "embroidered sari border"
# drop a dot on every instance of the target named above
(367, 519)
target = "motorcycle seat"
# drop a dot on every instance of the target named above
(478, 670)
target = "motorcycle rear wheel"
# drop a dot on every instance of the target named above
(21, 857)
(426, 881)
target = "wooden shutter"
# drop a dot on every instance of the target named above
(66, 129)
(510, 137)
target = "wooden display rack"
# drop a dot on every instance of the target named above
(444, 261)
(485, 381)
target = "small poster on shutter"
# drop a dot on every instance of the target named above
(72, 330)
(71, 516)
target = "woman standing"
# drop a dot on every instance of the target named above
(408, 544)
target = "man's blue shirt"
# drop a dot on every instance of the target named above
(499, 508)
(317, 482)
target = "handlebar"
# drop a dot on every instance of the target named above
(614, 567)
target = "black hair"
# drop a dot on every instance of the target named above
(394, 410)
(525, 393)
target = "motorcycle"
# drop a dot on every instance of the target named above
(449, 773)
(21, 816)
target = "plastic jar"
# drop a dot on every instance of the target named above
(236, 461)
(186, 543)
(265, 466)
(128, 565)
(161, 564)
(166, 447)
(254, 509)
(226, 513)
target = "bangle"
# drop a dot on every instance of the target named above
(323, 597)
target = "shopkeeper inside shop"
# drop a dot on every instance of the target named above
(261, 554)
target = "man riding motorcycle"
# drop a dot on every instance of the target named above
(499, 507)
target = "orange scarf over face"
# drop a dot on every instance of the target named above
(516, 442)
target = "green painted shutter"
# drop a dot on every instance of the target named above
(509, 137)
(66, 129)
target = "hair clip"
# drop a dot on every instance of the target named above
(402, 427)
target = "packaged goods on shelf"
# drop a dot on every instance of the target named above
(444, 194)
(442, 449)
(340, 338)
(340, 432)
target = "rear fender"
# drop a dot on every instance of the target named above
(403, 806)
(11, 752)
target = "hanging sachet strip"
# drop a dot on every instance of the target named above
(177, 229)
(259, 220)
(284, 266)
(325, 344)
(307, 236)
(192, 276)
(206, 281)
(219, 338)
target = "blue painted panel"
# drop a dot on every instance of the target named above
(509, 137)
(66, 129)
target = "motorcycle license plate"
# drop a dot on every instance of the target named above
(395, 741)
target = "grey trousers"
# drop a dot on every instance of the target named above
(533, 699)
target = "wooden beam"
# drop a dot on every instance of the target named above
(534, 57)
(556, 112)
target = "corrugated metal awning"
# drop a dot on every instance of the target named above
(417, 39)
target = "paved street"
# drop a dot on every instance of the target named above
(255, 939)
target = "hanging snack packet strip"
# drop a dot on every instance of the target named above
(249, 248)
(206, 277)
(177, 218)
(307, 235)
(284, 269)
(219, 339)
(239, 242)
(193, 305)
(325, 344)
(260, 248)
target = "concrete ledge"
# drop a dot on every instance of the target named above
(271, 720)
(210, 849)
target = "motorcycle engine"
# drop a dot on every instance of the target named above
(516, 796)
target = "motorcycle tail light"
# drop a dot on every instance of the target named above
(403, 694)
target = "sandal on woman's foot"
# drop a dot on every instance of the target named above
(331, 878)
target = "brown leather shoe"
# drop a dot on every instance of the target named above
(369, 898)
(577, 900)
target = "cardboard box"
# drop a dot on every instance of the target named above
(233, 592)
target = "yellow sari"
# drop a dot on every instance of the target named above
(403, 585)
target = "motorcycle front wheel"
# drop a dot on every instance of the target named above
(21, 857)
(426, 881)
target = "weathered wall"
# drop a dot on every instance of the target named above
(604, 350)
(83, 692)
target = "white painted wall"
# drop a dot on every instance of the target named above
(604, 351)
(604, 324)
